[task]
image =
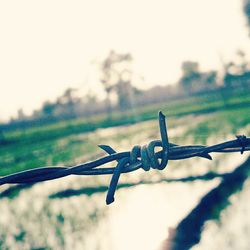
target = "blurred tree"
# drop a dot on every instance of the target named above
(237, 72)
(243, 64)
(116, 77)
(247, 10)
(239, 66)
(66, 103)
(210, 78)
(20, 114)
(68, 97)
(190, 74)
(124, 89)
(193, 80)
(63, 107)
(91, 98)
(48, 108)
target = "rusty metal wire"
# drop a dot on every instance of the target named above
(144, 157)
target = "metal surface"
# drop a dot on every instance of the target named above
(144, 157)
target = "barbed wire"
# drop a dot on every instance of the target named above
(145, 157)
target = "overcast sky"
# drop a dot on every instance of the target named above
(47, 46)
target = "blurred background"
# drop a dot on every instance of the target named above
(77, 74)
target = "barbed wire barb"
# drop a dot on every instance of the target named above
(144, 157)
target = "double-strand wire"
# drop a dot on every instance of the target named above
(144, 157)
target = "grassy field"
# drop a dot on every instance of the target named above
(66, 142)
(71, 212)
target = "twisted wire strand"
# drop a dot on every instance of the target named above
(145, 157)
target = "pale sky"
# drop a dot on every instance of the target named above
(47, 46)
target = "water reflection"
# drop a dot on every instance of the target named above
(232, 231)
(188, 231)
(139, 218)
(13, 191)
(100, 189)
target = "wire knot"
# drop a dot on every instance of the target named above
(147, 156)
(144, 155)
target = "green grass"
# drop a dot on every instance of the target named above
(64, 142)
(224, 122)
(195, 105)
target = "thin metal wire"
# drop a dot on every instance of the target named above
(144, 157)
